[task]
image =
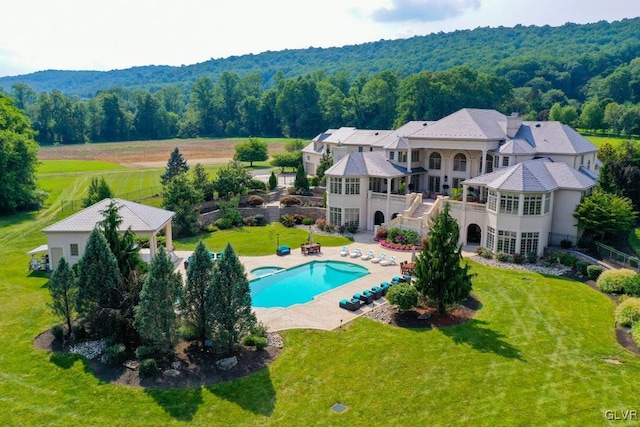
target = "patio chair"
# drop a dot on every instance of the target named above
(377, 292)
(378, 258)
(368, 255)
(356, 253)
(385, 288)
(351, 305)
(344, 251)
(367, 299)
(390, 261)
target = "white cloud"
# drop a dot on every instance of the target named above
(424, 10)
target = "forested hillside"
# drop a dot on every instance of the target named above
(593, 46)
(587, 76)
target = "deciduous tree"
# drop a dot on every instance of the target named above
(603, 214)
(253, 150)
(440, 277)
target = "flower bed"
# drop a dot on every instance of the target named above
(396, 247)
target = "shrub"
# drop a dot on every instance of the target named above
(259, 329)
(288, 220)
(532, 257)
(315, 181)
(58, 332)
(210, 228)
(518, 258)
(187, 332)
(503, 256)
(392, 235)
(581, 267)
(628, 312)
(145, 352)
(352, 227)
(610, 281)
(255, 200)
(79, 332)
(116, 354)
(566, 244)
(256, 184)
(250, 221)
(307, 221)
(148, 367)
(403, 295)
(298, 218)
(290, 200)
(635, 333)
(255, 341)
(594, 271)
(631, 285)
(566, 259)
(224, 223)
(484, 252)
(259, 219)
(342, 228)
(381, 234)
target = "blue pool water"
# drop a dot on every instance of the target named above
(264, 271)
(298, 285)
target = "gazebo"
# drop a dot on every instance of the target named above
(69, 237)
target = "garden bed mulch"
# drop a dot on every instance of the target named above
(197, 366)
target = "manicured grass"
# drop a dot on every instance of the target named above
(533, 355)
(614, 140)
(256, 241)
(75, 166)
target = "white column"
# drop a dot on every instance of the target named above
(169, 236)
(484, 161)
(153, 245)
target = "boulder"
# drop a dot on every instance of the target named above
(226, 364)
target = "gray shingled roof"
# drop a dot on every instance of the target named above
(516, 146)
(554, 138)
(370, 163)
(135, 215)
(468, 123)
(539, 175)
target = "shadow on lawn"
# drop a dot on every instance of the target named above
(181, 404)
(476, 335)
(254, 393)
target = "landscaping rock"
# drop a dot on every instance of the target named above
(226, 364)
(171, 373)
(176, 365)
(131, 364)
(274, 339)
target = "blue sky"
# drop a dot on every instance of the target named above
(104, 35)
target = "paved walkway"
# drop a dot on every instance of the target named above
(323, 312)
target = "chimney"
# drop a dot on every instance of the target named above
(514, 121)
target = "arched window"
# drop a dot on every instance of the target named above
(460, 162)
(435, 161)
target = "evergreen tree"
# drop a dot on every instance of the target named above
(98, 278)
(439, 276)
(98, 190)
(63, 288)
(155, 316)
(301, 182)
(176, 165)
(231, 303)
(181, 197)
(198, 292)
(326, 161)
(273, 181)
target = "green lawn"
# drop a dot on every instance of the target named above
(614, 140)
(533, 355)
(634, 240)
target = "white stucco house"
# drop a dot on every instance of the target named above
(69, 236)
(520, 181)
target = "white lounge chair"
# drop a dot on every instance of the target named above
(378, 258)
(344, 251)
(368, 255)
(390, 261)
(357, 253)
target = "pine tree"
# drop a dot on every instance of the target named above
(155, 316)
(176, 165)
(273, 181)
(98, 190)
(231, 303)
(439, 275)
(98, 277)
(63, 288)
(198, 291)
(301, 182)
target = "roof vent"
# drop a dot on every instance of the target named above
(537, 125)
(424, 124)
(376, 133)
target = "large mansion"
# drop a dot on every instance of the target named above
(512, 185)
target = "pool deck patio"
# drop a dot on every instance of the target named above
(323, 312)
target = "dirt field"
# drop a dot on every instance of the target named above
(150, 153)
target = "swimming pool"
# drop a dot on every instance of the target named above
(298, 285)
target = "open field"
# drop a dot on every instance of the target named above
(614, 140)
(538, 352)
